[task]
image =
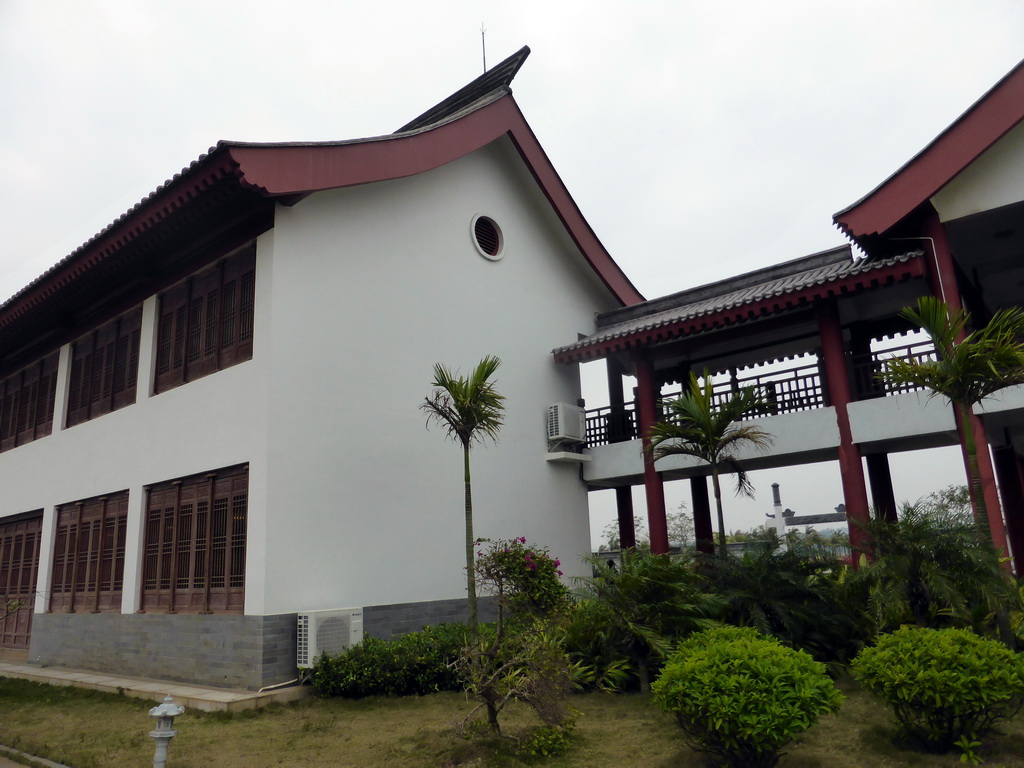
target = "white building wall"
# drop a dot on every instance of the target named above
(206, 424)
(372, 286)
(995, 179)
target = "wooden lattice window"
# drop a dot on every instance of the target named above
(19, 567)
(195, 544)
(206, 322)
(104, 369)
(88, 555)
(26, 403)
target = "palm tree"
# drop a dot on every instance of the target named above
(471, 410)
(694, 425)
(627, 618)
(931, 569)
(969, 368)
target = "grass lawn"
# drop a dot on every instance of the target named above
(84, 729)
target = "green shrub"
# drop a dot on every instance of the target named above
(414, 664)
(546, 741)
(943, 684)
(931, 569)
(741, 695)
(627, 618)
(791, 594)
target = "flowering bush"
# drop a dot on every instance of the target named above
(524, 578)
(520, 657)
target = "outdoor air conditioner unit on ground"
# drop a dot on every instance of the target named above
(565, 423)
(331, 632)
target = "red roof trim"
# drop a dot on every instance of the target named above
(142, 217)
(292, 171)
(981, 126)
(863, 281)
(298, 170)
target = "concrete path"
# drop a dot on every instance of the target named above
(6, 762)
(191, 696)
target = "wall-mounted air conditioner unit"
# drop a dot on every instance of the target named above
(566, 423)
(331, 632)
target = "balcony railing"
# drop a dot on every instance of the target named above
(867, 367)
(787, 390)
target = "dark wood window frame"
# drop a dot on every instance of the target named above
(19, 571)
(104, 369)
(27, 402)
(195, 543)
(205, 324)
(88, 555)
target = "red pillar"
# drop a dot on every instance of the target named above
(851, 469)
(701, 505)
(880, 480)
(1008, 470)
(941, 270)
(942, 275)
(646, 407)
(624, 507)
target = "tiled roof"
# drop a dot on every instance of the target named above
(496, 78)
(755, 293)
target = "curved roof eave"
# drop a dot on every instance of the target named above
(289, 171)
(978, 128)
(292, 171)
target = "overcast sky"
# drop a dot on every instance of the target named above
(699, 139)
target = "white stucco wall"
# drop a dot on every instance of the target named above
(800, 437)
(901, 417)
(213, 422)
(371, 287)
(995, 179)
(358, 293)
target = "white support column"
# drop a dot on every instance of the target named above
(44, 574)
(63, 383)
(147, 349)
(135, 527)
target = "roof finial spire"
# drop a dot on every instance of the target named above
(483, 44)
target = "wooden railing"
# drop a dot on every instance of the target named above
(798, 388)
(866, 369)
(611, 424)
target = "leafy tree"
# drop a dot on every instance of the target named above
(950, 503)
(695, 425)
(470, 409)
(680, 531)
(970, 367)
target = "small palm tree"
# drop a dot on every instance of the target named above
(628, 617)
(933, 570)
(695, 426)
(969, 368)
(471, 410)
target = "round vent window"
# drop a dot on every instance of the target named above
(487, 238)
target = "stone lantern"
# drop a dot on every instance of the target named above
(164, 731)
